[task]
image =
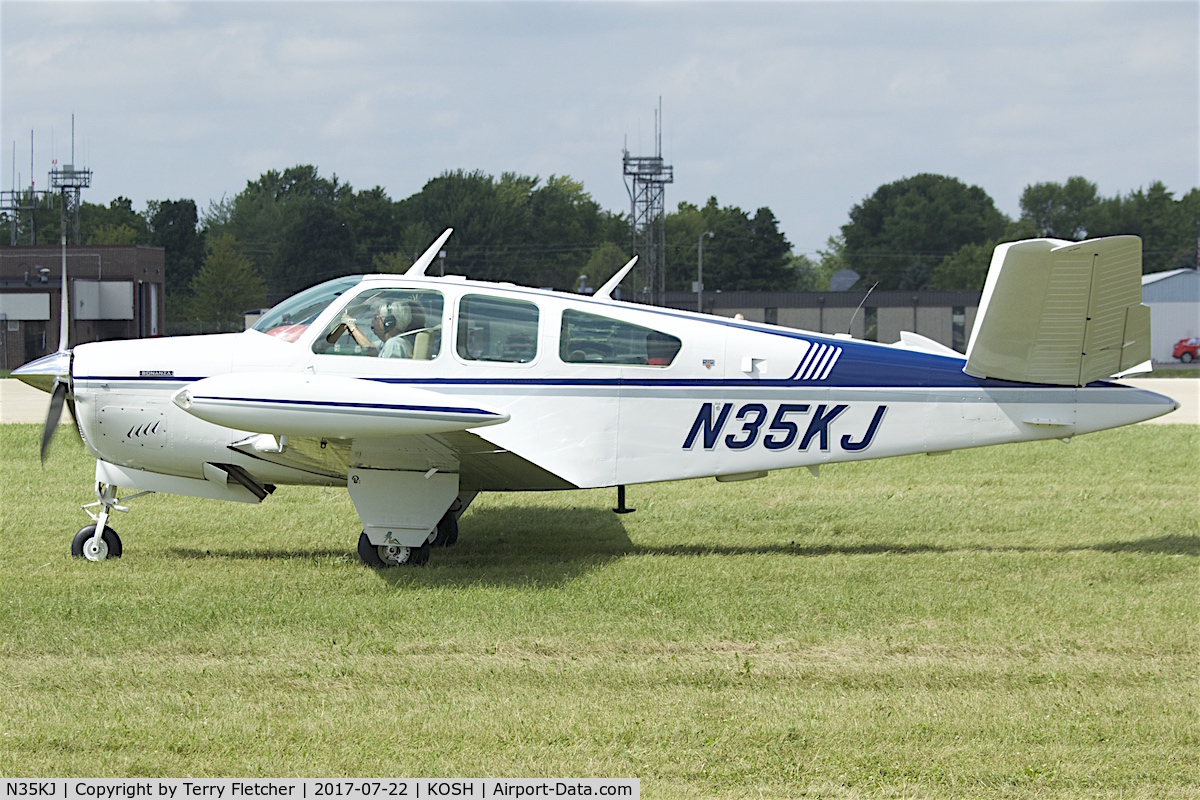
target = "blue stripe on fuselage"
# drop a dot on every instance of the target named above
(861, 365)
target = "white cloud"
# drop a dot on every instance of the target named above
(805, 107)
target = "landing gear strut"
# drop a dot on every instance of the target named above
(99, 542)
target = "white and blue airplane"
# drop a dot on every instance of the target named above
(417, 392)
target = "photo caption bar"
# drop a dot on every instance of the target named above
(306, 788)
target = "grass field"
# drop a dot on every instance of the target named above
(1019, 621)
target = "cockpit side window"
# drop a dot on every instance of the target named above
(497, 329)
(389, 323)
(592, 339)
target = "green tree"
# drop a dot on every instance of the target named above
(226, 286)
(113, 234)
(97, 220)
(373, 219)
(603, 263)
(44, 221)
(833, 260)
(1075, 210)
(967, 269)
(317, 244)
(1168, 227)
(490, 221)
(394, 263)
(744, 253)
(1060, 211)
(174, 227)
(898, 235)
(510, 229)
(806, 274)
(291, 224)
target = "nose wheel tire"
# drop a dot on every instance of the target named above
(1186, 358)
(84, 546)
(390, 555)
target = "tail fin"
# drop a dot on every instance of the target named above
(1061, 313)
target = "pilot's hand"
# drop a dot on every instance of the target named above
(346, 319)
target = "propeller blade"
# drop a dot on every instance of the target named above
(57, 397)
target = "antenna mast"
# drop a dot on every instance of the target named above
(645, 179)
(70, 183)
(18, 200)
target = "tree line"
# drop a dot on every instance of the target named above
(935, 232)
(290, 229)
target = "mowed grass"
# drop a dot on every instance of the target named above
(1014, 621)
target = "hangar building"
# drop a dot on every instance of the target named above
(1174, 300)
(945, 317)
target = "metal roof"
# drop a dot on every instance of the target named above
(1172, 286)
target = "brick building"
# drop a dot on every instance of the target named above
(115, 292)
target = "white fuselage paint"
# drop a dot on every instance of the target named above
(738, 398)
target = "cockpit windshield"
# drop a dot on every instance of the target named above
(291, 318)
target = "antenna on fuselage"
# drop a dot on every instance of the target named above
(605, 291)
(860, 305)
(417, 270)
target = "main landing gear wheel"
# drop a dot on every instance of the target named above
(1186, 358)
(84, 545)
(390, 555)
(446, 533)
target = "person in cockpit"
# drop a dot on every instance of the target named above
(390, 322)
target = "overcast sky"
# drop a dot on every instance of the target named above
(803, 107)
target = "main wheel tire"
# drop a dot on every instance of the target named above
(1186, 358)
(447, 531)
(109, 545)
(385, 556)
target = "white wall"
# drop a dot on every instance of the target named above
(25, 306)
(1170, 322)
(102, 300)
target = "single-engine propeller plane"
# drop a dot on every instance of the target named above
(417, 392)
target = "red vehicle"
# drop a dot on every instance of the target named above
(1187, 350)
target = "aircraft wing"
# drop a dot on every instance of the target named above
(1061, 313)
(326, 406)
(323, 425)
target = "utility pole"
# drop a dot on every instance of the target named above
(700, 271)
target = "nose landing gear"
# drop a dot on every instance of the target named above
(87, 544)
(99, 542)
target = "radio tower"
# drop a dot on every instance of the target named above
(70, 182)
(645, 180)
(15, 202)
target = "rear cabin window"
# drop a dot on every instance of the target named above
(388, 323)
(497, 329)
(591, 339)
